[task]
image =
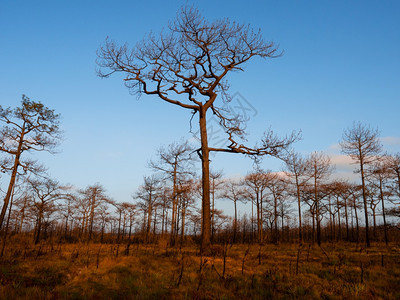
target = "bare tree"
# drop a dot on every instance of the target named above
(30, 127)
(21, 205)
(277, 186)
(186, 190)
(130, 211)
(149, 192)
(320, 168)
(67, 209)
(45, 192)
(356, 192)
(362, 144)
(94, 196)
(393, 165)
(187, 66)
(174, 161)
(257, 183)
(380, 176)
(233, 190)
(297, 171)
(341, 191)
(216, 183)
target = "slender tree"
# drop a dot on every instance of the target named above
(94, 195)
(257, 183)
(44, 194)
(297, 170)
(216, 183)
(233, 190)
(381, 175)
(30, 127)
(362, 144)
(340, 190)
(277, 186)
(320, 168)
(149, 192)
(175, 162)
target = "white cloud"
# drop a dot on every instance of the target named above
(391, 140)
(342, 161)
(334, 147)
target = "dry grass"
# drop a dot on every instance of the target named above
(97, 271)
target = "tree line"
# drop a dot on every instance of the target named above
(301, 202)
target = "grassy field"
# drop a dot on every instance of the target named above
(285, 271)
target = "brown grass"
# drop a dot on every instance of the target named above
(80, 271)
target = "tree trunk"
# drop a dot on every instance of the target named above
(66, 226)
(235, 223)
(149, 213)
(276, 219)
(383, 210)
(299, 208)
(92, 206)
(183, 221)
(313, 226)
(357, 225)
(163, 216)
(13, 177)
(8, 222)
(119, 225)
(23, 215)
(174, 207)
(252, 220)
(39, 228)
(155, 221)
(213, 211)
(317, 212)
(130, 228)
(330, 219)
(339, 220)
(205, 166)
(365, 203)
(374, 221)
(346, 217)
(259, 229)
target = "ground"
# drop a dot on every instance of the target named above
(284, 271)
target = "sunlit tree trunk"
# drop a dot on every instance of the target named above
(13, 175)
(174, 205)
(339, 219)
(383, 209)
(183, 220)
(357, 225)
(346, 217)
(205, 166)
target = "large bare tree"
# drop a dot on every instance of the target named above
(187, 65)
(29, 127)
(362, 144)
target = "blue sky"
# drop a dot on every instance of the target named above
(340, 65)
